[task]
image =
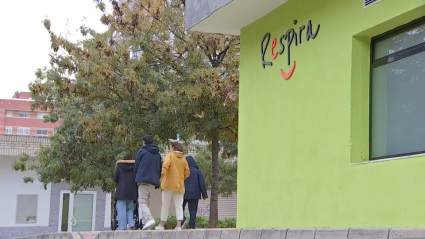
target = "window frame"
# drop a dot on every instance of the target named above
(24, 113)
(70, 207)
(413, 50)
(8, 128)
(17, 209)
(42, 114)
(29, 131)
(47, 132)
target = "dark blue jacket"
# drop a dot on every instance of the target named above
(148, 165)
(195, 183)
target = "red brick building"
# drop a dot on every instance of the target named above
(16, 117)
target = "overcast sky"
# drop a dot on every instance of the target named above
(24, 42)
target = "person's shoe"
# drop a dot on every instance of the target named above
(159, 228)
(185, 224)
(149, 225)
(178, 229)
(132, 227)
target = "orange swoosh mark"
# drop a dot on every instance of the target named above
(288, 75)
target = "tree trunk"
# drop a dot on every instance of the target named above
(214, 183)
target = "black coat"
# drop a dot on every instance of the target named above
(195, 183)
(148, 165)
(124, 178)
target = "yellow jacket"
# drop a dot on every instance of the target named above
(174, 171)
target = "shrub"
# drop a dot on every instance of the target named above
(201, 222)
(227, 223)
(170, 224)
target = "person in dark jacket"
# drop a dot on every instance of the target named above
(126, 191)
(148, 172)
(195, 188)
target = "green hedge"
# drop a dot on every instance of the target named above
(201, 222)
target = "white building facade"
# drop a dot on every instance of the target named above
(29, 209)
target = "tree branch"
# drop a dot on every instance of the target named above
(159, 20)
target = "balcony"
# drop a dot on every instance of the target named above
(226, 16)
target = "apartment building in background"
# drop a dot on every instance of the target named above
(16, 117)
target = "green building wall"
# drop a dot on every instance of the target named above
(304, 143)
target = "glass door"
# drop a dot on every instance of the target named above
(82, 213)
(78, 211)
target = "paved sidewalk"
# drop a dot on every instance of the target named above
(88, 235)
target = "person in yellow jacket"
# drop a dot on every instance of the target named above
(174, 171)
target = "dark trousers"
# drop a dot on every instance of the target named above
(193, 209)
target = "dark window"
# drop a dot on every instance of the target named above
(23, 115)
(41, 131)
(397, 106)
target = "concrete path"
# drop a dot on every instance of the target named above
(88, 235)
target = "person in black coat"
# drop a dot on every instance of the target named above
(195, 188)
(126, 192)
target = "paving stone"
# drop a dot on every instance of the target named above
(145, 234)
(85, 237)
(169, 234)
(41, 236)
(105, 235)
(212, 234)
(274, 233)
(196, 234)
(300, 234)
(140, 234)
(67, 235)
(76, 235)
(369, 233)
(122, 234)
(251, 234)
(230, 233)
(410, 233)
(331, 234)
(157, 234)
(50, 236)
(184, 234)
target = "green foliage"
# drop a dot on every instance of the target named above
(227, 169)
(201, 222)
(227, 223)
(19, 166)
(28, 180)
(25, 163)
(170, 224)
